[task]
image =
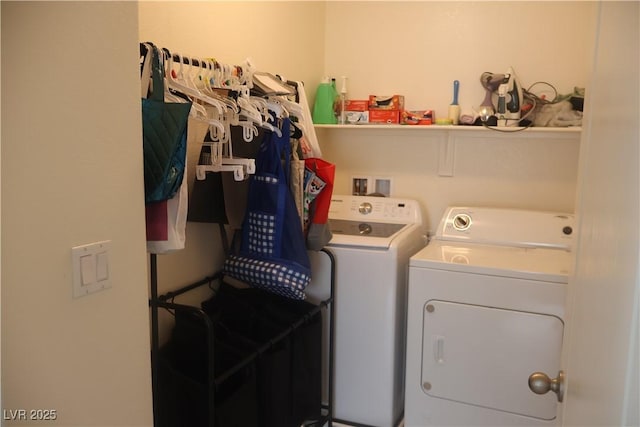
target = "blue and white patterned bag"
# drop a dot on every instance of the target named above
(273, 253)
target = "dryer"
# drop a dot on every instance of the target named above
(485, 311)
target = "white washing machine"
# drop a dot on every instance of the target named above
(486, 307)
(373, 239)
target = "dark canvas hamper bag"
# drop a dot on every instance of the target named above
(272, 253)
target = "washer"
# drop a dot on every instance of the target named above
(373, 239)
(486, 307)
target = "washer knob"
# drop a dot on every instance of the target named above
(364, 229)
(461, 222)
(365, 208)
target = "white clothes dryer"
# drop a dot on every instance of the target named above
(485, 311)
(373, 239)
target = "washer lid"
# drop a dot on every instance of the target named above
(371, 222)
(379, 240)
(542, 264)
(511, 227)
(361, 228)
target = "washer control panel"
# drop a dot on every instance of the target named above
(509, 227)
(375, 209)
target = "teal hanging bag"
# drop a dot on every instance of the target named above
(164, 134)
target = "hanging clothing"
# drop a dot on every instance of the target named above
(272, 254)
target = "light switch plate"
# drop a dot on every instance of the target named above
(91, 268)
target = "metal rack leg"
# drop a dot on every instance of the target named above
(331, 335)
(154, 337)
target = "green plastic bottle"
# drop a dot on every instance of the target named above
(324, 106)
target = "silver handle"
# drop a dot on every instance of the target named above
(540, 383)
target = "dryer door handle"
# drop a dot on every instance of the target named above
(438, 348)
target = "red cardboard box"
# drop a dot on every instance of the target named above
(384, 116)
(356, 105)
(394, 102)
(421, 117)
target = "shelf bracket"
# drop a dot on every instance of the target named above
(446, 155)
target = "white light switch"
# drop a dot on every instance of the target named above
(87, 269)
(90, 267)
(102, 266)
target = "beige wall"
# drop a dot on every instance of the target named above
(280, 37)
(417, 49)
(529, 171)
(71, 175)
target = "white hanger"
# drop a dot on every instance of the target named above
(238, 171)
(248, 69)
(180, 83)
(245, 111)
(239, 167)
(145, 74)
(207, 88)
(272, 128)
(187, 86)
(197, 111)
(293, 107)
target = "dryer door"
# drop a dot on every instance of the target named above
(483, 356)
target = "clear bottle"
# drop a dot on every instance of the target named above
(343, 100)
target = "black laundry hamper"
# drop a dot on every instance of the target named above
(184, 397)
(280, 387)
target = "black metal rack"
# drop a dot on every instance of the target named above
(213, 381)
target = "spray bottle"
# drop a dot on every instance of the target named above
(343, 101)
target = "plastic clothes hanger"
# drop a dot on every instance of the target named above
(190, 81)
(248, 70)
(218, 163)
(277, 108)
(238, 171)
(202, 113)
(179, 83)
(197, 111)
(208, 84)
(146, 52)
(293, 107)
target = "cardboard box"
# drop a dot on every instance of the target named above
(420, 117)
(394, 102)
(384, 116)
(356, 117)
(356, 105)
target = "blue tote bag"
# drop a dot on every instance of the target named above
(272, 253)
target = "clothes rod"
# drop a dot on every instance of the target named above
(200, 63)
